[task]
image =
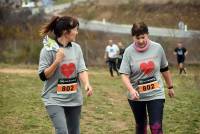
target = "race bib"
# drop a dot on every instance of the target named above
(148, 84)
(67, 86)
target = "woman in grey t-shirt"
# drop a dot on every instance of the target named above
(62, 67)
(140, 69)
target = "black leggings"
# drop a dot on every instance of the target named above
(113, 65)
(155, 113)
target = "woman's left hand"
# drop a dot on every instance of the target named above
(89, 90)
(171, 92)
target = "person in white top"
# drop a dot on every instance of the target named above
(111, 54)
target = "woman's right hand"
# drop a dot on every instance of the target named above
(59, 55)
(134, 95)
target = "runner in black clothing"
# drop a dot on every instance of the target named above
(180, 52)
(121, 52)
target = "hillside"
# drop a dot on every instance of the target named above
(159, 15)
(17, 47)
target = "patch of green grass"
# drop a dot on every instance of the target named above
(57, 2)
(106, 112)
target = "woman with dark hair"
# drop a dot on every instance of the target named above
(62, 67)
(143, 62)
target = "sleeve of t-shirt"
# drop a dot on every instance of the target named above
(164, 62)
(45, 60)
(107, 49)
(117, 48)
(81, 63)
(125, 65)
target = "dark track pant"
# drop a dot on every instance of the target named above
(113, 66)
(155, 113)
(66, 120)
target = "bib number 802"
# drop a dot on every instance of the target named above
(148, 87)
(67, 88)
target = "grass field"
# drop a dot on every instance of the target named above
(106, 112)
(62, 1)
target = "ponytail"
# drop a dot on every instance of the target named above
(58, 25)
(49, 27)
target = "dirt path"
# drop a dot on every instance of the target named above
(17, 71)
(34, 71)
(111, 2)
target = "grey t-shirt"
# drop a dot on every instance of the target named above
(143, 69)
(72, 64)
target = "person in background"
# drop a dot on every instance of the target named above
(142, 65)
(121, 52)
(181, 25)
(62, 67)
(111, 54)
(180, 53)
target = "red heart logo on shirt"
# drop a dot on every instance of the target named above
(68, 69)
(147, 67)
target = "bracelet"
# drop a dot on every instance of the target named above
(170, 87)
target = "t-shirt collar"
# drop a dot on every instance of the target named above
(68, 45)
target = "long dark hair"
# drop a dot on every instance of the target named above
(59, 24)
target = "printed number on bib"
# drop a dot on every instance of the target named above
(148, 84)
(67, 86)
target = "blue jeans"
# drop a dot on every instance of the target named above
(66, 120)
(155, 113)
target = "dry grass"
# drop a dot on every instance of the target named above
(160, 15)
(106, 112)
